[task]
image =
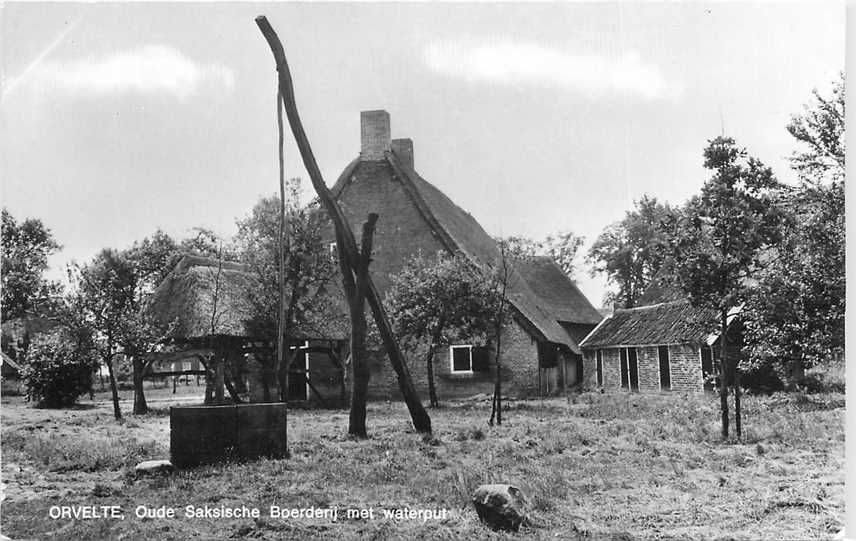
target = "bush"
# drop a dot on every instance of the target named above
(57, 370)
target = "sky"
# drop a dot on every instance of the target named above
(119, 119)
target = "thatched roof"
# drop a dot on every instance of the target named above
(556, 292)
(457, 230)
(206, 297)
(659, 324)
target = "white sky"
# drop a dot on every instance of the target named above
(118, 119)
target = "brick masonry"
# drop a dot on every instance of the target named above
(684, 362)
(374, 135)
(401, 232)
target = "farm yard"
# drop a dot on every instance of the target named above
(626, 466)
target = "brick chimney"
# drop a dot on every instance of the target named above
(374, 135)
(403, 150)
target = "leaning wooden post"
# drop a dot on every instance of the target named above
(280, 319)
(345, 241)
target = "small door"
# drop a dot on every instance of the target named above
(665, 369)
(622, 357)
(633, 369)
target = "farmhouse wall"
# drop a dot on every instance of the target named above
(519, 368)
(400, 231)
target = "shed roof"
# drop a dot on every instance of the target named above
(659, 324)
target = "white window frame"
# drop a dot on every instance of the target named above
(452, 359)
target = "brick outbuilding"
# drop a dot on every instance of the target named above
(670, 346)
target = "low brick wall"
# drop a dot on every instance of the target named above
(208, 434)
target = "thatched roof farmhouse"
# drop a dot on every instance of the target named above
(541, 349)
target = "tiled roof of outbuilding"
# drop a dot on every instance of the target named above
(659, 324)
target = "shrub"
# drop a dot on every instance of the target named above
(57, 370)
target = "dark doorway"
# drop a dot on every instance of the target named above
(599, 356)
(665, 369)
(297, 376)
(707, 367)
(633, 369)
(622, 356)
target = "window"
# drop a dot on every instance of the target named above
(334, 252)
(665, 368)
(461, 359)
(599, 357)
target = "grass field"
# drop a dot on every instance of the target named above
(594, 466)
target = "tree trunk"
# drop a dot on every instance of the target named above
(738, 424)
(113, 389)
(219, 378)
(723, 374)
(432, 388)
(360, 380)
(140, 406)
(429, 362)
(357, 312)
(345, 241)
(498, 387)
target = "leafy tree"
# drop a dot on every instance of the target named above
(563, 247)
(796, 312)
(632, 251)
(25, 250)
(440, 300)
(58, 368)
(722, 241)
(820, 130)
(309, 268)
(109, 300)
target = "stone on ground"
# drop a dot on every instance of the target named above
(153, 467)
(502, 507)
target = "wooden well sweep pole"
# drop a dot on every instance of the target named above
(280, 326)
(344, 236)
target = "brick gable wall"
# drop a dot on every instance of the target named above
(401, 232)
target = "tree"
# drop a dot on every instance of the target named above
(722, 241)
(440, 300)
(502, 278)
(58, 368)
(796, 311)
(563, 247)
(820, 129)
(109, 301)
(632, 251)
(309, 269)
(25, 250)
